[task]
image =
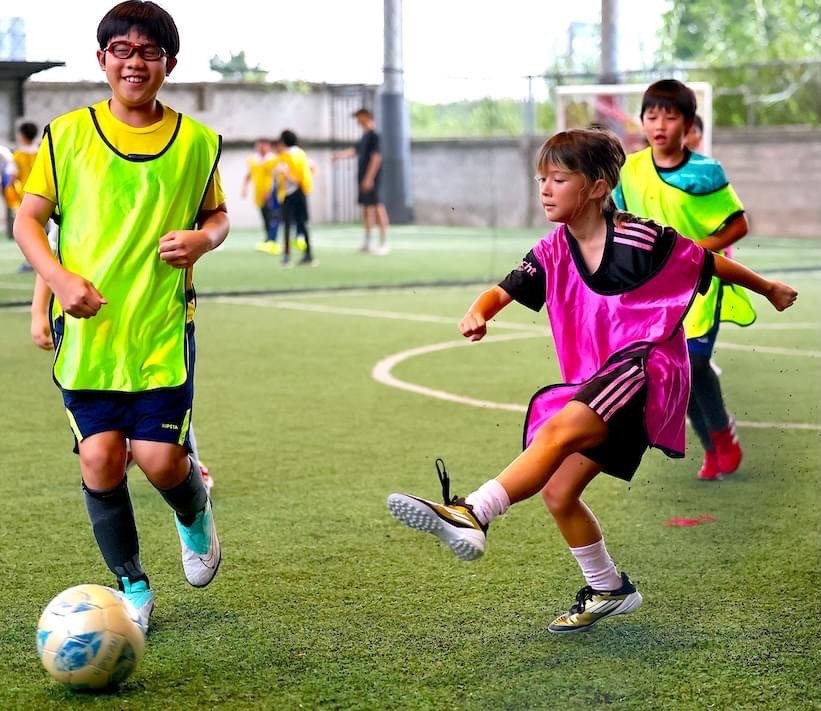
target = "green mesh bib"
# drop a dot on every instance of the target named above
(693, 216)
(113, 210)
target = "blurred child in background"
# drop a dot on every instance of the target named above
(669, 183)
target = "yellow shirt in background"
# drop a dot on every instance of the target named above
(148, 140)
(261, 173)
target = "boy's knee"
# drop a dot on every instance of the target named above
(161, 462)
(103, 466)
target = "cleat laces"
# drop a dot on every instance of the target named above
(444, 480)
(582, 597)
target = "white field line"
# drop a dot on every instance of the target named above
(275, 302)
(372, 313)
(766, 349)
(381, 372)
(16, 285)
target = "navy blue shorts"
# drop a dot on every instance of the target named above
(162, 415)
(705, 345)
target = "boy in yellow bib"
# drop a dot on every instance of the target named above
(670, 184)
(136, 190)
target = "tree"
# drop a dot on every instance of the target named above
(236, 68)
(765, 56)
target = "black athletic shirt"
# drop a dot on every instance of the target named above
(626, 262)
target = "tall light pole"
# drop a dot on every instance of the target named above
(396, 155)
(609, 73)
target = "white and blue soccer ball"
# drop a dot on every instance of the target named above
(89, 637)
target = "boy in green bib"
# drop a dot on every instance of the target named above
(669, 183)
(137, 194)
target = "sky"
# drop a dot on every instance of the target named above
(452, 48)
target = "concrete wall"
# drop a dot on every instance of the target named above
(777, 174)
(776, 171)
(320, 114)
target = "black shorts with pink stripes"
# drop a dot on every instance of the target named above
(618, 396)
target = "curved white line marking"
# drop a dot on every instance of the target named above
(381, 372)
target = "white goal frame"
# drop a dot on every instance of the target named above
(704, 90)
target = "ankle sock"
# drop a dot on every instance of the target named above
(597, 566)
(489, 501)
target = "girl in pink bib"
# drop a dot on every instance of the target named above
(616, 288)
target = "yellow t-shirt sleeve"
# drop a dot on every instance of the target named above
(41, 179)
(214, 195)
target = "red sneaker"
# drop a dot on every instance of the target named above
(728, 449)
(709, 468)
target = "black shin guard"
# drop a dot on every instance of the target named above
(112, 520)
(188, 498)
(707, 394)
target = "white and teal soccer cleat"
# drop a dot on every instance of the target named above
(140, 597)
(201, 553)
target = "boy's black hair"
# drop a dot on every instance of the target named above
(670, 94)
(363, 112)
(28, 130)
(146, 17)
(289, 138)
(698, 123)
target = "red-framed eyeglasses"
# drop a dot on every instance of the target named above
(122, 49)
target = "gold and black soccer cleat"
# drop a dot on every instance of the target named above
(453, 522)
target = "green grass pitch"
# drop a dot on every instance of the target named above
(323, 601)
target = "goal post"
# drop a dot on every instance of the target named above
(617, 106)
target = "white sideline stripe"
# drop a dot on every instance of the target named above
(381, 372)
(766, 349)
(779, 425)
(795, 326)
(374, 313)
(16, 286)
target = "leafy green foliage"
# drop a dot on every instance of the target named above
(755, 50)
(236, 68)
(485, 117)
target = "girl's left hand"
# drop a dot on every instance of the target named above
(781, 295)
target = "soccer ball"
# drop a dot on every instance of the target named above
(88, 637)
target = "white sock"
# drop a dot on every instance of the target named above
(489, 501)
(597, 566)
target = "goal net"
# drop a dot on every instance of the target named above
(617, 107)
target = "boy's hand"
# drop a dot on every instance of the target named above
(78, 296)
(41, 333)
(781, 295)
(182, 248)
(473, 326)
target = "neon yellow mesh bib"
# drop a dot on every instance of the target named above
(693, 216)
(113, 210)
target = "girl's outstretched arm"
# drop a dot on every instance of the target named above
(489, 303)
(779, 294)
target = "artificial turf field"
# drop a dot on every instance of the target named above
(323, 601)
